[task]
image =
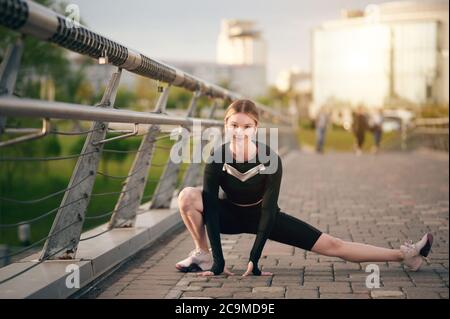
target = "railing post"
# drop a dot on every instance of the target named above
(213, 109)
(126, 207)
(404, 135)
(168, 181)
(293, 138)
(8, 73)
(162, 101)
(66, 230)
(193, 105)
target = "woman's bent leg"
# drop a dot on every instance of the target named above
(295, 232)
(191, 210)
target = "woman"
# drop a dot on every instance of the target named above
(321, 129)
(251, 206)
(377, 129)
(360, 126)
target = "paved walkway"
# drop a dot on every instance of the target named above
(382, 200)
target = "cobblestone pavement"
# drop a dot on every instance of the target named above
(381, 200)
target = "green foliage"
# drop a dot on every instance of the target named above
(52, 147)
(178, 98)
(338, 139)
(125, 98)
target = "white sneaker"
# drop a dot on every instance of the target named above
(424, 245)
(414, 253)
(413, 262)
(198, 260)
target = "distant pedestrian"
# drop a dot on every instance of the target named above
(359, 127)
(376, 126)
(321, 129)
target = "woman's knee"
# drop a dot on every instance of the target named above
(190, 198)
(335, 244)
(328, 244)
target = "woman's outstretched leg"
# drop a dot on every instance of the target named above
(410, 254)
(293, 231)
(355, 252)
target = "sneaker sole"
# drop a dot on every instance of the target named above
(426, 249)
(190, 268)
(416, 268)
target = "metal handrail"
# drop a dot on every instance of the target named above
(431, 121)
(13, 106)
(428, 131)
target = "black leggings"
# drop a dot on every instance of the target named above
(287, 230)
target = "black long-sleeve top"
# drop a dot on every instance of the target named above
(264, 185)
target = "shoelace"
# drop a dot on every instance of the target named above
(196, 252)
(409, 244)
(410, 247)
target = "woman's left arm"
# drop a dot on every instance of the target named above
(269, 209)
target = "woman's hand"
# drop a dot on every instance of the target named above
(250, 271)
(210, 273)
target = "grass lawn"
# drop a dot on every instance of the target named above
(340, 140)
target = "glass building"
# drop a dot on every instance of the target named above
(394, 51)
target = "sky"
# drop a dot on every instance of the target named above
(183, 30)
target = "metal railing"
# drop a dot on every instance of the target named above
(431, 133)
(426, 132)
(30, 18)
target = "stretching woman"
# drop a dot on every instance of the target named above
(251, 189)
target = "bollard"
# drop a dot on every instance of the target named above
(23, 232)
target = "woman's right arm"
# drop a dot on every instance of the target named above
(210, 196)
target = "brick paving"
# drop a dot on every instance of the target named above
(381, 200)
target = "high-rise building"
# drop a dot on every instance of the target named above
(242, 50)
(240, 43)
(389, 52)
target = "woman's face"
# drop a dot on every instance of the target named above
(240, 127)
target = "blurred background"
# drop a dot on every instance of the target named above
(331, 65)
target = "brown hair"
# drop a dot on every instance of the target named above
(242, 106)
